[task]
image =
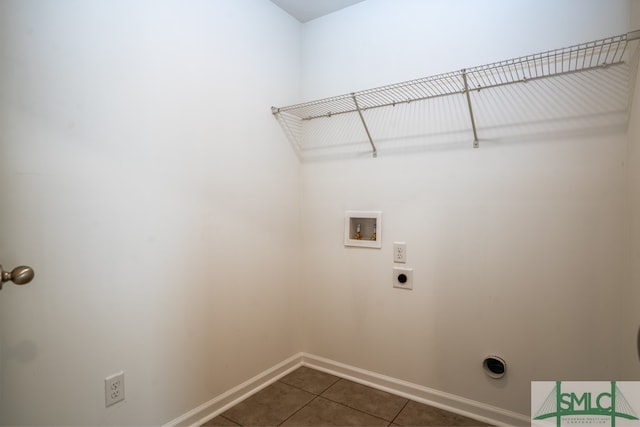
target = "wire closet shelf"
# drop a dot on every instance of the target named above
(598, 54)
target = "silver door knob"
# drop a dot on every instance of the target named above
(20, 275)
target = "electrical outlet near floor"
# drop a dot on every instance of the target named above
(114, 388)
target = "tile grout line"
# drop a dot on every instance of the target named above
(336, 402)
(363, 411)
(306, 404)
(330, 385)
(354, 408)
(298, 410)
(317, 394)
(400, 411)
(229, 419)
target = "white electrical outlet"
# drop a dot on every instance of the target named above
(400, 252)
(114, 388)
(403, 278)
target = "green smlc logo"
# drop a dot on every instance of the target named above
(611, 404)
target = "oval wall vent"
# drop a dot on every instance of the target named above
(494, 366)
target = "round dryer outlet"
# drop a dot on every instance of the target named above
(403, 278)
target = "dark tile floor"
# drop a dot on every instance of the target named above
(307, 397)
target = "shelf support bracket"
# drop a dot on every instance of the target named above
(364, 124)
(473, 122)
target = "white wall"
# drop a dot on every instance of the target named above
(630, 344)
(145, 180)
(518, 247)
(379, 42)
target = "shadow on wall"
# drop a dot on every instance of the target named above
(575, 104)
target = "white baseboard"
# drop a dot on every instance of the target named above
(439, 399)
(459, 405)
(219, 404)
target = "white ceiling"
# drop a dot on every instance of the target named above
(306, 10)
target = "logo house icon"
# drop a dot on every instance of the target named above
(585, 407)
